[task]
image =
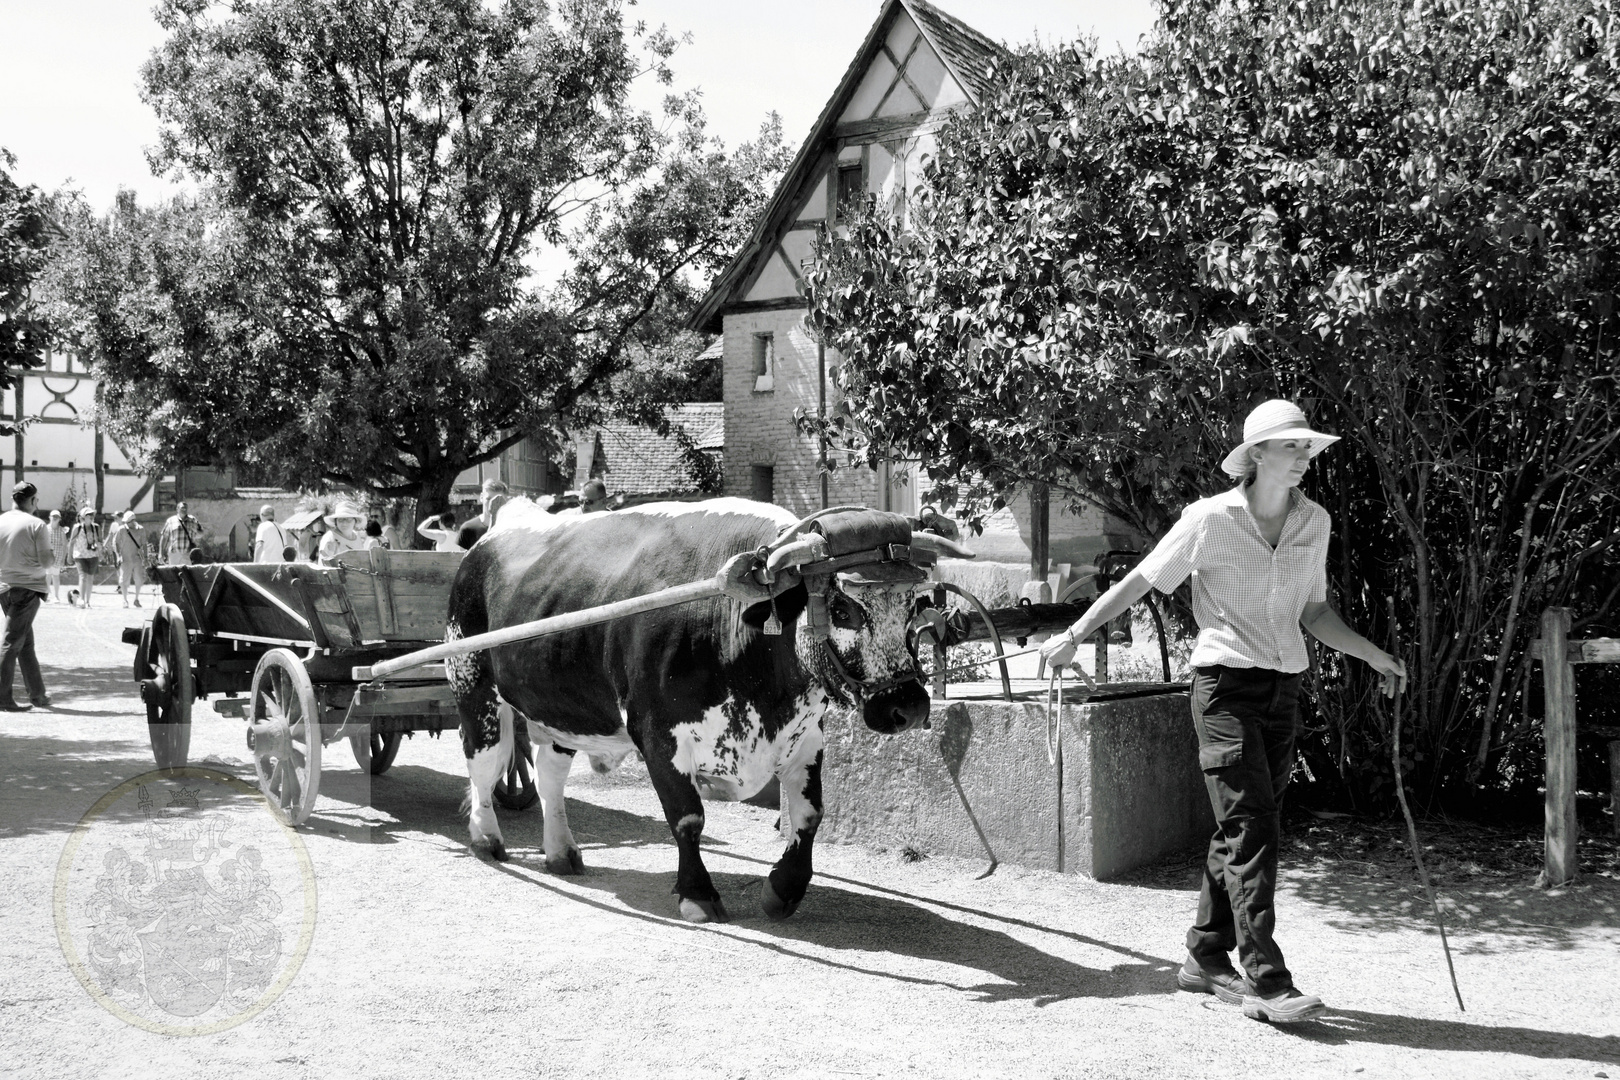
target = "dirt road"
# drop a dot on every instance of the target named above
(427, 961)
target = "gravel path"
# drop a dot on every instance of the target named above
(426, 960)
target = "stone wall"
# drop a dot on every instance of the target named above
(1127, 789)
(760, 429)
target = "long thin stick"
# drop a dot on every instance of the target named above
(1411, 826)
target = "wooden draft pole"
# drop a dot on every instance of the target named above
(556, 624)
(1406, 811)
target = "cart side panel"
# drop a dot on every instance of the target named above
(401, 595)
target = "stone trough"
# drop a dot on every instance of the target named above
(1125, 791)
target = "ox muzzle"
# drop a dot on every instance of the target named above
(896, 709)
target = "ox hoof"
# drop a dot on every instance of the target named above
(701, 911)
(773, 905)
(570, 862)
(497, 851)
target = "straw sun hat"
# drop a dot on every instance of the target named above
(345, 508)
(1275, 419)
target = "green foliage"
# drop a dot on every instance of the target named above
(1403, 217)
(25, 235)
(179, 311)
(396, 169)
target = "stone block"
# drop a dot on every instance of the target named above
(1126, 790)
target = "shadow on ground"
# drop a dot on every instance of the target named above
(74, 690)
(861, 925)
(1345, 1027)
(50, 782)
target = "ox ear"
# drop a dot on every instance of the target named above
(789, 606)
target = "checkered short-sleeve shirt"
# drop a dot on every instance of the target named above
(1246, 597)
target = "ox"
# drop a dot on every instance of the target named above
(718, 696)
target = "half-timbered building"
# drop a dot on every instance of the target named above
(915, 69)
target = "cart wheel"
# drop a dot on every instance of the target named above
(143, 655)
(164, 655)
(516, 791)
(284, 735)
(375, 752)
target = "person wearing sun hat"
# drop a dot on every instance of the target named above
(1257, 556)
(343, 532)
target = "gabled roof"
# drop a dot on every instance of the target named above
(966, 54)
(639, 461)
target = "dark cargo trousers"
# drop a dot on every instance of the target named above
(1247, 720)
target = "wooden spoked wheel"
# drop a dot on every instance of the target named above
(375, 752)
(284, 735)
(163, 670)
(516, 790)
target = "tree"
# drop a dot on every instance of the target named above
(25, 236)
(1405, 217)
(398, 165)
(179, 308)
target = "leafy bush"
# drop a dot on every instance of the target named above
(1403, 217)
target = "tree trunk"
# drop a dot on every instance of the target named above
(432, 499)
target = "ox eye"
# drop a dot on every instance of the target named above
(845, 615)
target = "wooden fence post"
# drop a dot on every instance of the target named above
(1614, 784)
(1558, 678)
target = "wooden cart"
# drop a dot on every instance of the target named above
(288, 636)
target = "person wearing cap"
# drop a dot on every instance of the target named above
(25, 553)
(182, 534)
(85, 547)
(53, 573)
(270, 540)
(127, 541)
(1257, 556)
(343, 532)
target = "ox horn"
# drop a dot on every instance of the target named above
(949, 549)
(812, 548)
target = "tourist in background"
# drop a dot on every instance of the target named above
(53, 573)
(25, 552)
(84, 546)
(392, 538)
(374, 536)
(270, 540)
(441, 529)
(182, 534)
(343, 532)
(127, 541)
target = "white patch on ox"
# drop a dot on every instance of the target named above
(774, 514)
(524, 514)
(728, 761)
(462, 670)
(879, 646)
(484, 768)
(607, 749)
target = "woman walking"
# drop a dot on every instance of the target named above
(1257, 555)
(84, 544)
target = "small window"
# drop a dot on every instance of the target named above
(764, 477)
(764, 362)
(850, 191)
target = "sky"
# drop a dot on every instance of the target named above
(71, 114)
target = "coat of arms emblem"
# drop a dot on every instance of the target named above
(175, 913)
